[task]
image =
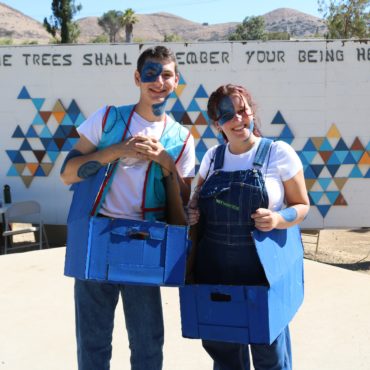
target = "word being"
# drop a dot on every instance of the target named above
(105, 59)
(47, 59)
(266, 56)
(316, 56)
(203, 57)
(5, 60)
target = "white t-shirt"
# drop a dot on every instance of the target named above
(125, 195)
(283, 164)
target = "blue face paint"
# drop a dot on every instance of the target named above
(72, 154)
(289, 214)
(89, 169)
(151, 71)
(225, 110)
(159, 109)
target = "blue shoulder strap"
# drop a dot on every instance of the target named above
(219, 156)
(262, 151)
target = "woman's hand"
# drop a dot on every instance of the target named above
(192, 211)
(265, 219)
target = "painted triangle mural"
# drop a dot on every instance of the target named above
(328, 162)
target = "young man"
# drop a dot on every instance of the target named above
(144, 141)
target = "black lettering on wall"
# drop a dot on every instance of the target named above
(203, 57)
(5, 60)
(318, 56)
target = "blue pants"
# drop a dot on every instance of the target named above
(95, 304)
(234, 356)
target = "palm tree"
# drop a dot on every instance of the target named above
(129, 19)
(112, 23)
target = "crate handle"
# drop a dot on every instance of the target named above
(139, 235)
(220, 297)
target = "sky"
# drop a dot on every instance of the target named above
(210, 11)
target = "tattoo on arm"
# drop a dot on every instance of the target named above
(89, 169)
(72, 154)
(289, 214)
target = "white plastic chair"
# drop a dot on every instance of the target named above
(27, 212)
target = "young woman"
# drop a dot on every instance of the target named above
(248, 183)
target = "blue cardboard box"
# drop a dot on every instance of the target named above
(250, 314)
(120, 250)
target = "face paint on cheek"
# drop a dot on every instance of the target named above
(151, 71)
(225, 110)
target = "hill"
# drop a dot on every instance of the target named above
(153, 27)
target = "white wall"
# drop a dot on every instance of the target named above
(319, 89)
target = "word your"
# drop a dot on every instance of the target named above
(269, 56)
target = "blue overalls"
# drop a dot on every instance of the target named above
(226, 253)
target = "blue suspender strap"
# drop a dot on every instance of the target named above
(219, 157)
(262, 152)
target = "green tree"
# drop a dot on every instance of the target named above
(278, 36)
(112, 23)
(346, 18)
(252, 28)
(61, 20)
(172, 37)
(129, 19)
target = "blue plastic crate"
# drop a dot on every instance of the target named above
(120, 250)
(250, 314)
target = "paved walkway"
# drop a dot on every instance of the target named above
(330, 332)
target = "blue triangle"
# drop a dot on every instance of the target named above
(178, 107)
(326, 146)
(287, 140)
(12, 171)
(368, 146)
(178, 116)
(355, 173)
(309, 155)
(317, 168)
(286, 133)
(53, 155)
(181, 80)
(341, 145)
(24, 94)
(316, 196)
(52, 147)
(39, 172)
(173, 95)
(31, 132)
(309, 146)
(38, 102)
(25, 145)
(333, 159)
(302, 158)
(19, 158)
(278, 119)
(349, 159)
(357, 154)
(45, 141)
(341, 155)
(332, 196)
(309, 173)
(201, 92)
(333, 168)
(67, 146)
(18, 133)
(59, 133)
(201, 148)
(45, 132)
(38, 120)
(208, 133)
(81, 118)
(193, 106)
(73, 108)
(12, 154)
(324, 182)
(367, 176)
(67, 121)
(323, 209)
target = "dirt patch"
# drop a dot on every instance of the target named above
(349, 249)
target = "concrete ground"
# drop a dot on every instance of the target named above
(330, 332)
